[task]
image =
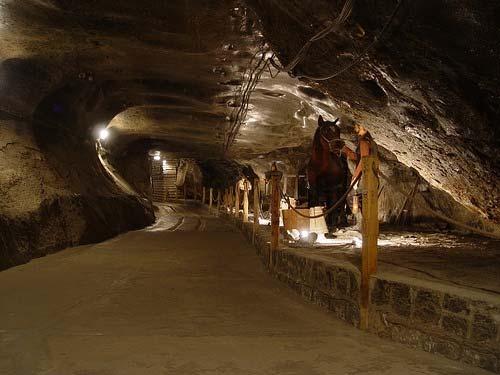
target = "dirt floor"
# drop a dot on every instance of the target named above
(445, 257)
(185, 296)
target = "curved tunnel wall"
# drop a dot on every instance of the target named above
(55, 193)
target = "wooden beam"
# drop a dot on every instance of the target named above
(210, 198)
(370, 229)
(256, 207)
(203, 196)
(245, 202)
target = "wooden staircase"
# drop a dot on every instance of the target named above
(163, 178)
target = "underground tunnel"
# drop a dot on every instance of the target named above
(249, 187)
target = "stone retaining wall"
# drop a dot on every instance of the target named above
(322, 281)
(457, 323)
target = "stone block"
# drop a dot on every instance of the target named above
(282, 277)
(378, 323)
(484, 328)
(305, 267)
(306, 292)
(295, 286)
(454, 325)
(331, 280)
(321, 299)
(449, 349)
(408, 336)
(401, 299)
(427, 307)
(380, 294)
(353, 286)
(476, 358)
(342, 282)
(456, 304)
(352, 314)
(320, 277)
(338, 306)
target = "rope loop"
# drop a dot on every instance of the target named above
(329, 210)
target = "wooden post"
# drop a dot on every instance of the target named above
(245, 202)
(275, 212)
(219, 197)
(237, 200)
(370, 230)
(203, 196)
(256, 207)
(210, 198)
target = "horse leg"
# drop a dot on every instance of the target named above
(313, 196)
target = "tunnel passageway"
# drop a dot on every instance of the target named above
(187, 295)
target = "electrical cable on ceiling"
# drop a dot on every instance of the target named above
(256, 72)
(360, 56)
(339, 21)
(245, 91)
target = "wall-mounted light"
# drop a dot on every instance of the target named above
(103, 134)
(157, 157)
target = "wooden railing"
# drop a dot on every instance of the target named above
(229, 201)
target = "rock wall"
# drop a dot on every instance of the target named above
(134, 165)
(54, 192)
(428, 90)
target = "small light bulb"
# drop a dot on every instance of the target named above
(103, 134)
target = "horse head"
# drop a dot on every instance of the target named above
(329, 134)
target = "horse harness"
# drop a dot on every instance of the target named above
(334, 145)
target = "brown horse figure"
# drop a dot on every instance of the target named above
(327, 172)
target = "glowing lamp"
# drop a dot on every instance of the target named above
(103, 134)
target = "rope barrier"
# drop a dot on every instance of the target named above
(329, 210)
